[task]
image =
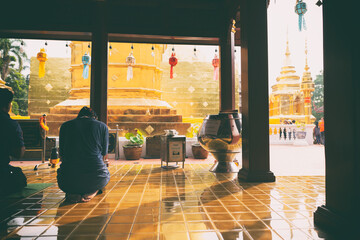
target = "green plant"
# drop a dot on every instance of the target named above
(194, 129)
(135, 139)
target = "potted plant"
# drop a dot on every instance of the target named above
(133, 149)
(197, 150)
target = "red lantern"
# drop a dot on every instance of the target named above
(216, 64)
(172, 61)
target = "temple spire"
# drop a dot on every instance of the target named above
(306, 75)
(287, 61)
(306, 57)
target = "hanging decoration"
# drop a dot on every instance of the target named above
(86, 59)
(110, 48)
(300, 9)
(194, 56)
(216, 64)
(22, 47)
(172, 61)
(43, 123)
(42, 57)
(130, 61)
(152, 51)
(66, 47)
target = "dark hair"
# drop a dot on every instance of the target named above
(316, 124)
(6, 97)
(87, 112)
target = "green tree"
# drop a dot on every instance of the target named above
(19, 85)
(11, 54)
(12, 58)
(317, 98)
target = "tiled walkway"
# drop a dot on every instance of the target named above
(146, 202)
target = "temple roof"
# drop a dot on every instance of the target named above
(155, 21)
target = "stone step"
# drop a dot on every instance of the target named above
(144, 118)
(123, 111)
(115, 118)
(148, 128)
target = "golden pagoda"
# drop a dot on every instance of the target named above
(132, 103)
(290, 99)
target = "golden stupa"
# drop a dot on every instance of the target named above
(132, 103)
(290, 99)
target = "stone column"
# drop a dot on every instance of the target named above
(99, 61)
(342, 122)
(254, 96)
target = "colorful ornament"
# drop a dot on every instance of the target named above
(86, 59)
(43, 123)
(130, 61)
(300, 9)
(42, 57)
(172, 61)
(216, 64)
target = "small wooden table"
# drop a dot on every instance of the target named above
(173, 149)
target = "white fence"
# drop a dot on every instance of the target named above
(286, 134)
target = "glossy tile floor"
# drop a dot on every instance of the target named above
(146, 202)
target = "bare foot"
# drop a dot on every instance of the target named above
(88, 197)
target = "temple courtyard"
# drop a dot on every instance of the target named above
(144, 201)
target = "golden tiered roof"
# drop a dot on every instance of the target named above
(287, 81)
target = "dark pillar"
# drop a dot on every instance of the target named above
(254, 93)
(99, 61)
(227, 70)
(342, 122)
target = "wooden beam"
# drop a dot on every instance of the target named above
(227, 70)
(254, 93)
(99, 62)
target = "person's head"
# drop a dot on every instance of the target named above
(6, 97)
(316, 124)
(87, 112)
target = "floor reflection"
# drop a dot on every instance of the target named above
(147, 202)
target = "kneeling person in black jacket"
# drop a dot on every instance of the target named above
(12, 179)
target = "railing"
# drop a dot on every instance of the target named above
(286, 134)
